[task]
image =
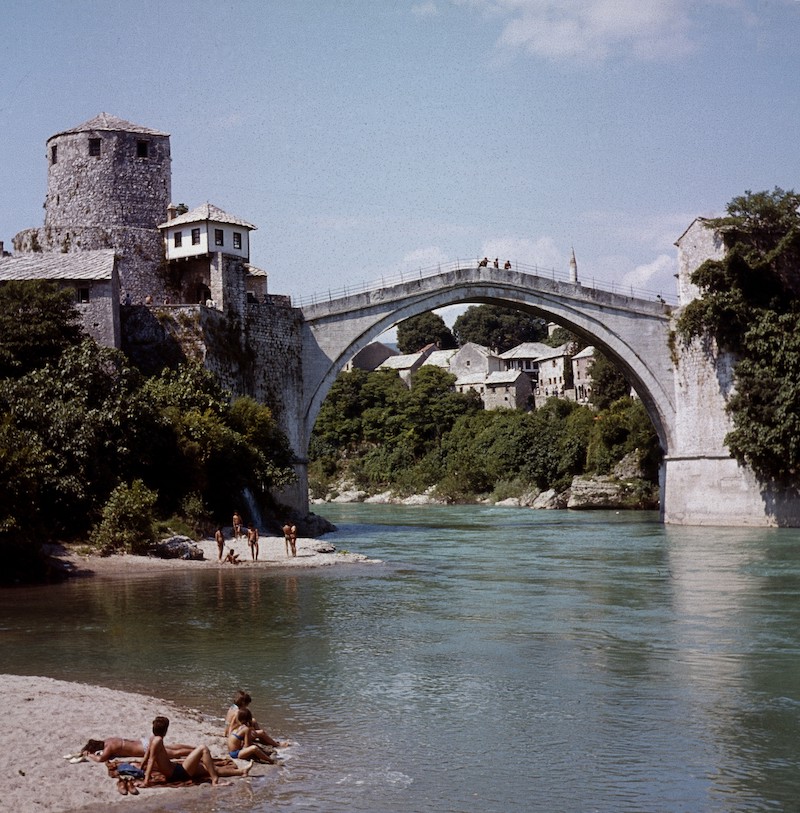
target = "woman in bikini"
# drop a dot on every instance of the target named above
(240, 739)
(241, 701)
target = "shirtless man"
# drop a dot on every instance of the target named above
(220, 540)
(252, 541)
(232, 557)
(237, 525)
(197, 765)
(104, 750)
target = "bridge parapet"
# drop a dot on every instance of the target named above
(457, 266)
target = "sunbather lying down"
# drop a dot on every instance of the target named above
(103, 750)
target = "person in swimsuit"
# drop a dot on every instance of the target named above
(252, 541)
(240, 739)
(220, 540)
(197, 765)
(232, 557)
(104, 750)
(241, 701)
(237, 525)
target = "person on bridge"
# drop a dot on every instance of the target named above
(496, 262)
(507, 266)
(483, 263)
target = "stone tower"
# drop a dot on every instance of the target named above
(108, 186)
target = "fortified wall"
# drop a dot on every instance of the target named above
(704, 484)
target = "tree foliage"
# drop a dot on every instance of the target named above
(38, 320)
(498, 328)
(608, 382)
(749, 305)
(419, 331)
(382, 435)
(81, 422)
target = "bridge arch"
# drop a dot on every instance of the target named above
(633, 332)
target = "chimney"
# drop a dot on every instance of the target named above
(172, 212)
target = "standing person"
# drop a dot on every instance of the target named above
(237, 525)
(220, 539)
(293, 539)
(507, 266)
(287, 533)
(197, 765)
(496, 262)
(241, 736)
(252, 541)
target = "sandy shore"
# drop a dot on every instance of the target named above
(272, 554)
(44, 719)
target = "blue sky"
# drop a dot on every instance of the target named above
(365, 137)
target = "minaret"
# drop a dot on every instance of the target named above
(573, 269)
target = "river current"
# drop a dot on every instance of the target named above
(498, 660)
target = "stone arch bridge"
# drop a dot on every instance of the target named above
(682, 389)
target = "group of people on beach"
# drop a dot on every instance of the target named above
(245, 739)
(239, 530)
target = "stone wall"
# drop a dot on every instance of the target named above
(140, 253)
(114, 188)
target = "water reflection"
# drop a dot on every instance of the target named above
(503, 660)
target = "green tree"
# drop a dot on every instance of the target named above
(749, 306)
(608, 382)
(38, 321)
(419, 331)
(498, 328)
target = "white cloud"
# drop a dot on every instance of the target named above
(655, 276)
(425, 10)
(592, 30)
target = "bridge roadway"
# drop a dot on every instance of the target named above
(633, 332)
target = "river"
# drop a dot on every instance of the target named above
(498, 660)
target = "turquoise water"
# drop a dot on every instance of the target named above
(498, 660)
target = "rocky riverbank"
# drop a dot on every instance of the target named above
(624, 488)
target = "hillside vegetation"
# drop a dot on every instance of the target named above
(91, 449)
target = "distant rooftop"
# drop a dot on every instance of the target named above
(86, 265)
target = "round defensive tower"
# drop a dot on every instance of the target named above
(108, 172)
(108, 186)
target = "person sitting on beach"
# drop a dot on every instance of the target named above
(252, 541)
(241, 743)
(199, 764)
(241, 701)
(104, 750)
(232, 557)
(219, 537)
